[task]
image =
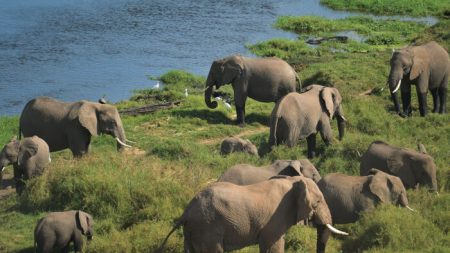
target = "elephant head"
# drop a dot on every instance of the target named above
(414, 168)
(331, 100)
(250, 148)
(223, 71)
(388, 189)
(85, 224)
(308, 170)
(9, 153)
(102, 119)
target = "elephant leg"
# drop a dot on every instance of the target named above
(79, 145)
(435, 95)
(406, 102)
(396, 104)
(240, 96)
(311, 140)
(422, 103)
(276, 247)
(443, 98)
(240, 112)
(323, 233)
(77, 243)
(18, 179)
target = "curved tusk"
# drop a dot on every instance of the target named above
(398, 86)
(410, 209)
(336, 231)
(343, 118)
(133, 142)
(123, 144)
(49, 158)
(2, 169)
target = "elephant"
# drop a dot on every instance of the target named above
(263, 79)
(236, 144)
(245, 174)
(300, 115)
(29, 157)
(426, 66)
(412, 167)
(70, 125)
(348, 196)
(57, 230)
(227, 217)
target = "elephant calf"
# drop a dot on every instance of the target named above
(412, 167)
(245, 174)
(227, 217)
(58, 229)
(302, 115)
(29, 157)
(236, 144)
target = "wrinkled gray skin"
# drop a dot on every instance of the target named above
(412, 167)
(263, 79)
(428, 68)
(348, 196)
(57, 230)
(29, 157)
(245, 174)
(70, 125)
(236, 144)
(227, 217)
(301, 115)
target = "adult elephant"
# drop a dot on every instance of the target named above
(263, 79)
(245, 174)
(348, 196)
(227, 217)
(70, 125)
(412, 167)
(302, 115)
(29, 157)
(426, 66)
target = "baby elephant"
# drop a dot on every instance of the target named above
(28, 156)
(245, 174)
(55, 231)
(236, 144)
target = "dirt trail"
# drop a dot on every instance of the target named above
(241, 134)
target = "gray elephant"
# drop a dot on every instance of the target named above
(236, 144)
(348, 196)
(29, 157)
(71, 125)
(428, 68)
(301, 115)
(245, 174)
(412, 167)
(263, 79)
(227, 217)
(57, 230)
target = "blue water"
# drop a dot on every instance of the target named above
(84, 49)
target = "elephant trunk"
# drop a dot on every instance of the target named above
(208, 92)
(403, 200)
(322, 216)
(120, 138)
(340, 122)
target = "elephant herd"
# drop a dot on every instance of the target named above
(250, 205)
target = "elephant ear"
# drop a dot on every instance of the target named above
(418, 65)
(328, 98)
(232, 68)
(292, 170)
(26, 151)
(304, 204)
(88, 117)
(380, 186)
(84, 221)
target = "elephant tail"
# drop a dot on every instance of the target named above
(298, 81)
(178, 223)
(20, 133)
(274, 125)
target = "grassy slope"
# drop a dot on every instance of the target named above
(134, 197)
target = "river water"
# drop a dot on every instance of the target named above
(84, 49)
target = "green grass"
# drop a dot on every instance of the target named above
(134, 196)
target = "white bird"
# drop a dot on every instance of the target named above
(186, 93)
(227, 105)
(157, 85)
(218, 98)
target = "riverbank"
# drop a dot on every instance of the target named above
(134, 196)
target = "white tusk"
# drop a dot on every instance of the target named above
(2, 169)
(336, 231)
(437, 193)
(410, 209)
(398, 86)
(343, 118)
(49, 158)
(123, 144)
(130, 141)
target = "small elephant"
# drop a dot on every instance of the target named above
(71, 125)
(301, 115)
(227, 217)
(57, 230)
(29, 157)
(245, 174)
(428, 68)
(263, 79)
(348, 196)
(236, 144)
(412, 167)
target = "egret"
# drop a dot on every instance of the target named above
(157, 85)
(186, 93)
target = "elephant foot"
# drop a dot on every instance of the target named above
(402, 114)
(240, 124)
